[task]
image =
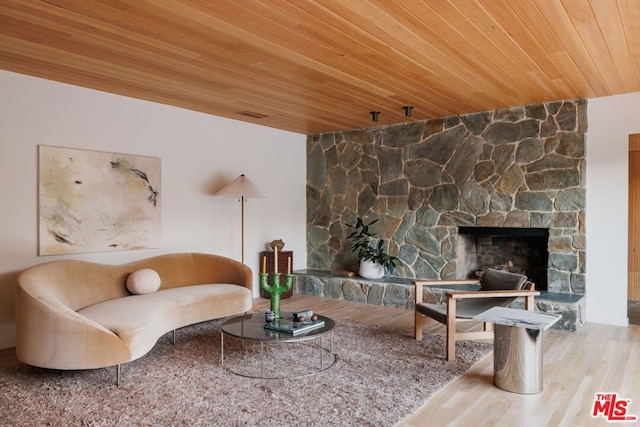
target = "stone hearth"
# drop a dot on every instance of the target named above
(399, 292)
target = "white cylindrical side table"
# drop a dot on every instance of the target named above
(517, 347)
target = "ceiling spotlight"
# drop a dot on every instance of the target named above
(374, 116)
(407, 110)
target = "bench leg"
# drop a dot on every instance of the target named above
(417, 332)
(529, 303)
(118, 375)
(174, 337)
(451, 329)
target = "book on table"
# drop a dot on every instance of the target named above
(294, 327)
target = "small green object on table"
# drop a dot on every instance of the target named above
(275, 289)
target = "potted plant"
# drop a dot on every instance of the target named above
(374, 261)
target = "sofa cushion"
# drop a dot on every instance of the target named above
(139, 320)
(143, 281)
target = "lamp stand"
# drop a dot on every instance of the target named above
(242, 200)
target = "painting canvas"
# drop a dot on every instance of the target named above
(92, 201)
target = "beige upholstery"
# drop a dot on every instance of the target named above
(79, 315)
(499, 288)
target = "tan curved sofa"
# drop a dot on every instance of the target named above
(79, 315)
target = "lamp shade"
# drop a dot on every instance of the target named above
(240, 187)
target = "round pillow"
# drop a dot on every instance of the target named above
(143, 281)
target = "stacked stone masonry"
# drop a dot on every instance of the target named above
(517, 167)
(401, 294)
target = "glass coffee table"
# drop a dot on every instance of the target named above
(312, 359)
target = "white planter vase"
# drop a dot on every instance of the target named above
(370, 269)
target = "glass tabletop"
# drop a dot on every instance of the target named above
(251, 326)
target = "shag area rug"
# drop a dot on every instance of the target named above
(380, 376)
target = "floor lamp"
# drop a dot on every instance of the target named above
(243, 188)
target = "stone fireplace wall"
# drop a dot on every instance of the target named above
(517, 167)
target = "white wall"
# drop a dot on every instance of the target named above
(611, 120)
(200, 153)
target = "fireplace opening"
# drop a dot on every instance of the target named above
(523, 249)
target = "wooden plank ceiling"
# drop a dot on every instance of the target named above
(320, 65)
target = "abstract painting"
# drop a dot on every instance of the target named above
(93, 201)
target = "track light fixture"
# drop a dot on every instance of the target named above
(376, 114)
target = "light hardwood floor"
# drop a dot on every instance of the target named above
(577, 365)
